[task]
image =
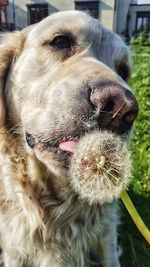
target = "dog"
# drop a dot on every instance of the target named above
(59, 79)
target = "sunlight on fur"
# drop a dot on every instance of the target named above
(49, 217)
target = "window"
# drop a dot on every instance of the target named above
(143, 21)
(92, 7)
(36, 12)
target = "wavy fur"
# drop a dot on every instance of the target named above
(42, 221)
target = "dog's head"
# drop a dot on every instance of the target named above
(63, 77)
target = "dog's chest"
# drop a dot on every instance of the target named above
(67, 243)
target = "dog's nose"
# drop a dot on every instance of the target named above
(115, 106)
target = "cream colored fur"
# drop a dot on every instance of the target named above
(42, 221)
(37, 231)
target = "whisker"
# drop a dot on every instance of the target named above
(117, 112)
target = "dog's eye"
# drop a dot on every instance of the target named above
(124, 71)
(61, 42)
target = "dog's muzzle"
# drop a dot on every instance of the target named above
(113, 107)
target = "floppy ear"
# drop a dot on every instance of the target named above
(115, 53)
(10, 47)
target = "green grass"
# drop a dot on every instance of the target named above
(136, 251)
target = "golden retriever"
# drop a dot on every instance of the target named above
(59, 79)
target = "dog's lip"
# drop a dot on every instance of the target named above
(66, 144)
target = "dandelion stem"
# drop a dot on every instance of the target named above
(135, 215)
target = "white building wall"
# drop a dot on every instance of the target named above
(113, 17)
(107, 13)
(106, 10)
(141, 2)
(20, 9)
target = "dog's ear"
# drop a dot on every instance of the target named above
(10, 47)
(115, 53)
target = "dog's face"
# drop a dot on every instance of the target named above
(68, 78)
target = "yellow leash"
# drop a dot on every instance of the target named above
(135, 216)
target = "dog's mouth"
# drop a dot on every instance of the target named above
(62, 147)
(65, 145)
(56, 152)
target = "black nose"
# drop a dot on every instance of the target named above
(115, 106)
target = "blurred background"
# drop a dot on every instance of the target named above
(126, 17)
(131, 20)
